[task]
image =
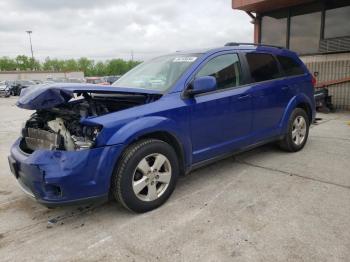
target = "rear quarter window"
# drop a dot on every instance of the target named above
(262, 67)
(290, 66)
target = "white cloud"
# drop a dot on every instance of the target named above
(108, 29)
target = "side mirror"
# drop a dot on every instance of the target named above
(201, 85)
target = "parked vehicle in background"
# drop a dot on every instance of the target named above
(18, 85)
(58, 80)
(4, 89)
(96, 81)
(64, 80)
(48, 82)
(75, 80)
(37, 82)
(163, 118)
(111, 79)
(323, 100)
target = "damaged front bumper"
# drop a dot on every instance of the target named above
(56, 178)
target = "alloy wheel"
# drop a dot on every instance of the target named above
(299, 130)
(151, 177)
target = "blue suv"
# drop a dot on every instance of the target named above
(130, 141)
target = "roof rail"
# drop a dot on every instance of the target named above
(238, 44)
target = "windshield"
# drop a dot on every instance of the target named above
(157, 74)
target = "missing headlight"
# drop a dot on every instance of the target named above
(88, 139)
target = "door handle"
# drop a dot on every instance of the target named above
(242, 97)
(285, 88)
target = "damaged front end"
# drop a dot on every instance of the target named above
(60, 128)
(50, 160)
(57, 123)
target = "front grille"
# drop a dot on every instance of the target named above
(41, 139)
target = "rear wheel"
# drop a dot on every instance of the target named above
(146, 175)
(298, 131)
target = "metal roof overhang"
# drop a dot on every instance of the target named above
(262, 6)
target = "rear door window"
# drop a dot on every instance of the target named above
(225, 68)
(290, 66)
(262, 67)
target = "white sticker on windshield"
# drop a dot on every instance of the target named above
(182, 59)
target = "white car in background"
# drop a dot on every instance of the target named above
(4, 89)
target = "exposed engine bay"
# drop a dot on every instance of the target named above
(59, 128)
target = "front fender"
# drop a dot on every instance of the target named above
(147, 125)
(293, 103)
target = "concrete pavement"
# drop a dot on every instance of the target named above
(263, 205)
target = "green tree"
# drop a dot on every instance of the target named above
(132, 64)
(53, 64)
(116, 67)
(70, 65)
(7, 64)
(23, 62)
(90, 67)
(86, 65)
(100, 69)
(34, 64)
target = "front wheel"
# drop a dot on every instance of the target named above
(146, 175)
(298, 131)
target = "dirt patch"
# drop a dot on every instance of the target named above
(22, 204)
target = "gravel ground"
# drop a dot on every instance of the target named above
(263, 205)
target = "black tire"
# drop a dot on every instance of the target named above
(287, 143)
(123, 176)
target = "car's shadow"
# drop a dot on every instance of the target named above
(196, 180)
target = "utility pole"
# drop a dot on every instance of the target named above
(31, 46)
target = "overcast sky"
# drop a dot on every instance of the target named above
(106, 29)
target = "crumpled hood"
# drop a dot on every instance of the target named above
(51, 95)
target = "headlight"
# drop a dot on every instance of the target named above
(91, 132)
(88, 139)
(81, 143)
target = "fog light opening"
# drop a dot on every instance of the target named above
(53, 190)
